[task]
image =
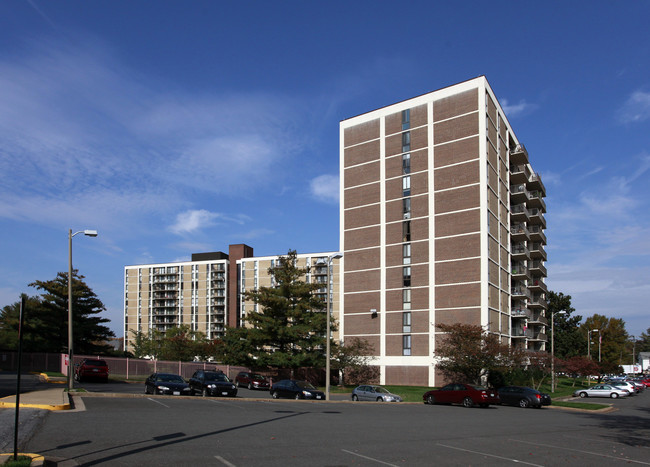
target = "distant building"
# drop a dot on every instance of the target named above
(442, 221)
(206, 293)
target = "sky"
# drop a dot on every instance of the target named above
(176, 127)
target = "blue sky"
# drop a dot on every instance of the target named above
(181, 127)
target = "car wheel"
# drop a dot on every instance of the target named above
(613, 395)
(468, 402)
(297, 397)
(274, 395)
(523, 403)
(250, 386)
(146, 390)
(583, 394)
(431, 400)
(379, 399)
(355, 397)
(204, 393)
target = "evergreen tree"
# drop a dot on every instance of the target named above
(289, 330)
(89, 332)
(569, 339)
(33, 340)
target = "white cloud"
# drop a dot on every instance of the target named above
(517, 110)
(325, 188)
(193, 220)
(636, 108)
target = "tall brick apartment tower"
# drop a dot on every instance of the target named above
(442, 221)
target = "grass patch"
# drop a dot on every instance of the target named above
(21, 461)
(580, 405)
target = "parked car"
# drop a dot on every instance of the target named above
(602, 390)
(631, 387)
(467, 394)
(166, 383)
(251, 380)
(91, 368)
(211, 383)
(523, 396)
(289, 388)
(374, 393)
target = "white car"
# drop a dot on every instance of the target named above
(602, 390)
(631, 387)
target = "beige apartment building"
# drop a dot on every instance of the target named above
(207, 292)
(441, 221)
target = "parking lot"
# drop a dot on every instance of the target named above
(235, 432)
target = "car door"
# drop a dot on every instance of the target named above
(196, 383)
(506, 394)
(446, 394)
(460, 392)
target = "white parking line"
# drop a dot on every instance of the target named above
(369, 458)
(224, 461)
(489, 455)
(624, 459)
(157, 402)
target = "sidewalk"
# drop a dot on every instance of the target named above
(49, 399)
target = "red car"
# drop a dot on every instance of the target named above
(468, 395)
(252, 380)
(91, 368)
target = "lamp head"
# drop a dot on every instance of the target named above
(90, 233)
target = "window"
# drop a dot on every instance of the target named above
(406, 141)
(406, 253)
(406, 299)
(406, 345)
(406, 185)
(406, 322)
(406, 119)
(406, 163)
(406, 231)
(406, 276)
(406, 208)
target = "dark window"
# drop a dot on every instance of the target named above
(406, 276)
(406, 119)
(406, 345)
(406, 322)
(406, 141)
(406, 163)
(406, 205)
(406, 231)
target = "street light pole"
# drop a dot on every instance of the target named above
(88, 233)
(553, 348)
(328, 348)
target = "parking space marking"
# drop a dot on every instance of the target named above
(369, 458)
(224, 461)
(516, 461)
(581, 451)
(607, 440)
(157, 402)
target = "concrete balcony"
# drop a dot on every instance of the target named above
(519, 232)
(519, 155)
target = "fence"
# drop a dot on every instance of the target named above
(138, 369)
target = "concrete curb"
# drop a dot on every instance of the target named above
(37, 459)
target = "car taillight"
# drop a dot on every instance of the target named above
(538, 396)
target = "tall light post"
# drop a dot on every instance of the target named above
(88, 233)
(589, 343)
(328, 349)
(553, 348)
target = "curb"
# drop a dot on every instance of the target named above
(37, 459)
(47, 379)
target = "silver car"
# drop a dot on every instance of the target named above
(602, 390)
(374, 393)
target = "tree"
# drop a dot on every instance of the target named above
(352, 359)
(289, 330)
(234, 348)
(611, 336)
(578, 366)
(177, 343)
(467, 352)
(643, 344)
(89, 331)
(569, 340)
(9, 322)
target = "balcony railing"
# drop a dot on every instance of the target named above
(520, 313)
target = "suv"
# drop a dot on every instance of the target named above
(91, 368)
(251, 380)
(211, 383)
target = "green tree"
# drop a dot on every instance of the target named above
(569, 339)
(33, 341)
(289, 330)
(89, 331)
(643, 343)
(177, 343)
(611, 336)
(234, 348)
(467, 353)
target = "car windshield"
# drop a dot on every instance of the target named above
(216, 377)
(480, 388)
(170, 379)
(304, 385)
(258, 377)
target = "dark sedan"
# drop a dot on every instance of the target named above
(166, 383)
(251, 380)
(291, 389)
(468, 395)
(212, 383)
(523, 397)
